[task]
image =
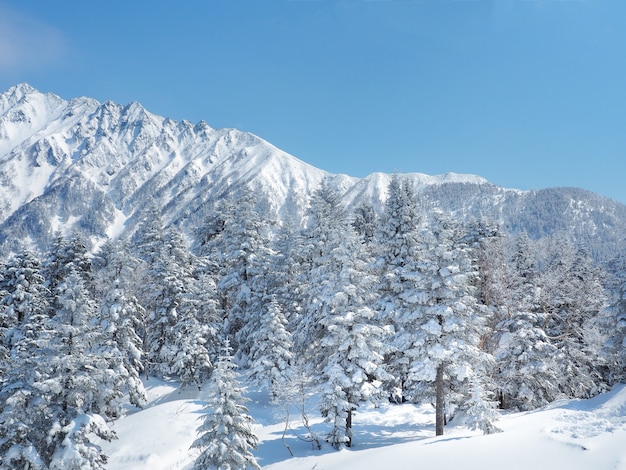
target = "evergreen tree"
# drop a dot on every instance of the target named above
(22, 290)
(615, 348)
(261, 282)
(87, 388)
(121, 317)
(364, 222)
(89, 383)
(180, 300)
(287, 279)
(226, 437)
(271, 354)
(65, 255)
(149, 239)
(481, 408)
(321, 235)
(527, 369)
(74, 449)
(115, 262)
(234, 239)
(58, 388)
(341, 324)
(169, 276)
(191, 360)
(353, 346)
(446, 354)
(208, 311)
(573, 298)
(399, 252)
(24, 417)
(527, 363)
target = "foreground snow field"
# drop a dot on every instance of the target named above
(574, 434)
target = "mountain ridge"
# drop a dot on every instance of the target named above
(95, 167)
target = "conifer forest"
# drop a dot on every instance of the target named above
(360, 306)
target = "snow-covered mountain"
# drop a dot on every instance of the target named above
(81, 165)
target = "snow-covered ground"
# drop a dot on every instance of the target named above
(574, 434)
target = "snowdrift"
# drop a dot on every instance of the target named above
(572, 434)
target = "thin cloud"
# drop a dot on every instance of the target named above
(26, 43)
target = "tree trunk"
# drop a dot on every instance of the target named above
(440, 414)
(349, 428)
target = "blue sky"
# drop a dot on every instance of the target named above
(526, 93)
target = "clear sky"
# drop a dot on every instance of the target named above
(526, 93)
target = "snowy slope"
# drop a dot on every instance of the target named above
(572, 435)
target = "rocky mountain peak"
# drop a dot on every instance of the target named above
(81, 166)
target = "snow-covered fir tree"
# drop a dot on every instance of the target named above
(67, 254)
(121, 317)
(149, 237)
(234, 240)
(22, 290)
(480, 407)
(271, 353)
(84, 389)
(191, 361)
(188, 355)
(445, 355)
(23, 421)
(364, 221)
(57, 391)
(322, 233)
(73, 316)
(115, 260)
(286, 276)
(347, 353)
(168, 275)
(527, 365)
(262, 281)
(208, 311)
(25, 417)
(573, 297)
(615, 323)
(401, 296)
(225, 436)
